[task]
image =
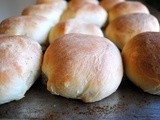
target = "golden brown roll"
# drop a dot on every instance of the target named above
(47, 1)
(51, 11)
(88, 12)
(127, 7)
(82, 2)
(123, 28)
(83, 67)
(108, 4)
(142, 61)
(20, 62)
(35, 27)
(73, 26)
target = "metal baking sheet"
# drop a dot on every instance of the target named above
(128, 102)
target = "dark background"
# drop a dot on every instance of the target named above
(154, 3)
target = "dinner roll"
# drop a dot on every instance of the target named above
(20, 62)
(73, 26)
(108, 4)
(82, 2)
(125, 8)
(142, 61)
(88, 12)
(47, 1)
(83, 67)
(51, 11)
(35, 27)
(123, 28)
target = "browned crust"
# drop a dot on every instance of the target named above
(142, 61)
(82, 67)
(127, 7)
(122, 29)
(108, 4)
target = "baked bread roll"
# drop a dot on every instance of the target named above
(123, 28)
(127, 7)
(108, 4)
(51, 11)
(74, 26)
(19, 66)
(87, 12)
(83, 67)
(142, 61)
(82, 2)
(35, 27)
(47, 1)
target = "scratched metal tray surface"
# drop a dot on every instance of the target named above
(128, 102)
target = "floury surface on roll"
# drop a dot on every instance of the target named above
(35, 27)
(108, 4)
(74, 26)
(87, 12)
(123, 28)
(142, 61)
(127, 7)
(20, 63)
(83, 67)
(51, 11)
